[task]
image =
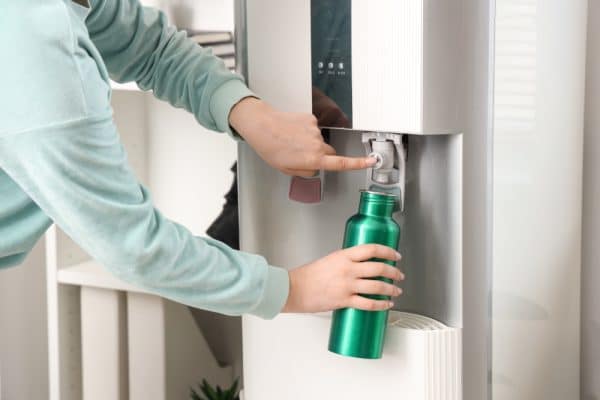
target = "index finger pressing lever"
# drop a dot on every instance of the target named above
(309, 190)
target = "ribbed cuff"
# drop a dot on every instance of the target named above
(223, 100)
(276, 292)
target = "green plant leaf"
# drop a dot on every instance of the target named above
(194, 395)
(234, 387)
(209, 391)
(233, 391)
(217, 393)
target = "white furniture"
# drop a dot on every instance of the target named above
(108, 339)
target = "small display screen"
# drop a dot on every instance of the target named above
(331, 30)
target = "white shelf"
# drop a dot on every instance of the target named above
(93, 274)
(129, 86)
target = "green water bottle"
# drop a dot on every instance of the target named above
(358, 333)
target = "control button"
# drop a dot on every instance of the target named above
(341, 65)
(320, 64)
(330, 65)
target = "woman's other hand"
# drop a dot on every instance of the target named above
(339, 279)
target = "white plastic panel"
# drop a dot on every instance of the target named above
(387, 65)
(443, 65)
(421, 361)
(393, 89)
(279, 66)
(476, 106)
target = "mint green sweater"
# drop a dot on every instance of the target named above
(61, 159)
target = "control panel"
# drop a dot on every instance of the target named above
(331, 42)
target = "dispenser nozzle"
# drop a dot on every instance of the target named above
(389, 173)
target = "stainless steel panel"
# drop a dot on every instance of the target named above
(291, 234)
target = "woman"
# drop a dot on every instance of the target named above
(61, 160)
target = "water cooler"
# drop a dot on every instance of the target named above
(413, 81)
(381, 79)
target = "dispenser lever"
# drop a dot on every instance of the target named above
(307, 190)
(389, 174)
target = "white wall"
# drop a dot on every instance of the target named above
(590, 366)
(23, 331)
(178, 152)
(197, 14)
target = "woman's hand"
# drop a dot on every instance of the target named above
(289, 142)
(336, 281)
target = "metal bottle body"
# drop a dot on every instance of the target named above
(358, 333)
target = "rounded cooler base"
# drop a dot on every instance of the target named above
(287, 358)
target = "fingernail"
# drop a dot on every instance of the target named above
(402, 277)
(390, 304)
(398, 256)
(398, 291)
(371, 161)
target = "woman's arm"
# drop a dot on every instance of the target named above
(77, 173)
(137, 44)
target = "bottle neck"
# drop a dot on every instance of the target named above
(376, 205)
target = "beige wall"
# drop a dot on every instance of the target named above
(23, 332)
(591, 218)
